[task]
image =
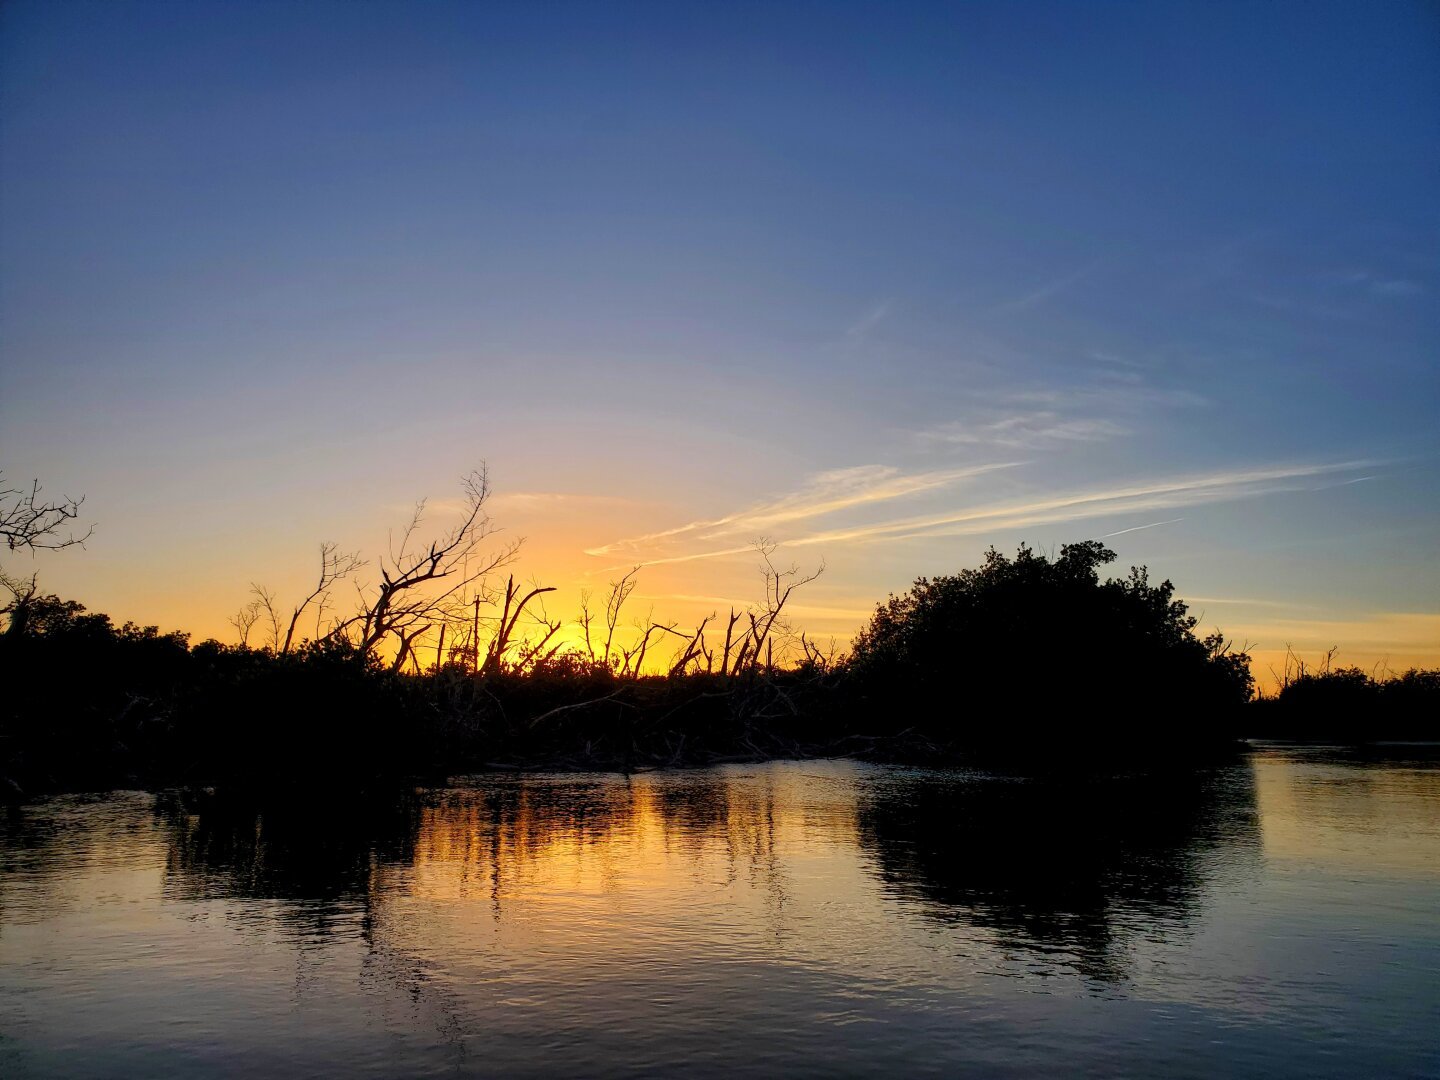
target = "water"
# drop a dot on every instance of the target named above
(1277, 917)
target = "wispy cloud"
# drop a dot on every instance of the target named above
(870, 319)
(1127, 397)
(658, 560)
(1050, 288)
(1163, 494)
(1026, 429)
(1343, 295)
(1075, 506)
(1375, 283)
(1042, 417)
(824, 493)
(1398, 287)
(1114, 360)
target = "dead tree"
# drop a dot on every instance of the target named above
(729, 637)
(418, 581)
(533, 653)
(265, 610)
(619, 592)
(31, 522)
(244, 621)
(406, 651)
(633, 659)
(510, 614)
(335, 565)
(586, 619)
(779, 584)
(693, 650)
(457, 618)
(813, 659)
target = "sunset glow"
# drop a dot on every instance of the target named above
(681, 294)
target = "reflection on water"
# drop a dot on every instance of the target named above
(1068, 869)
(1272, 917)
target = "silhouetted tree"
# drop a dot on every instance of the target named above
(1348, 704)
(30, 521)
(419, 581)
(422, 587)
(84, 696)
(1031, 645)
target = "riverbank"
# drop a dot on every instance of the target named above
(92, 706)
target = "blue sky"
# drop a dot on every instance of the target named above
(269, 271)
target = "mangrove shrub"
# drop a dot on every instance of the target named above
(1032, 645)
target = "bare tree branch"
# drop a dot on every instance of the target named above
(244, 620)
(29, 521)
(419, 584)
(334, 566)
(264, 604)
(619, 592)
(509, 616)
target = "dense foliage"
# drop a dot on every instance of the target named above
(1347, 704)
(90, 704)
(1021, 656)
(1038, 646)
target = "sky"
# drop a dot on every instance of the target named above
(886, 284)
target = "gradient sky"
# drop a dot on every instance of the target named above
(887, 283)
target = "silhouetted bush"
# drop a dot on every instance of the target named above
(1349, 705)
(1030, 658)
(100, 706)
(1032, 648)
(82, 694)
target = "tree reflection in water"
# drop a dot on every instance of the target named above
(835, 913)
(1071, 869)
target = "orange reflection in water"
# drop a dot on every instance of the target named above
(560, 857)
(1339, 809)
(519, 925)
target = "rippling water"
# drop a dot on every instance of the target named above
(1278, 917)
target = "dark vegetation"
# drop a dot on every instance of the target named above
(1032, 659)
(1349, 705)
(1031, 652)
(99, 705)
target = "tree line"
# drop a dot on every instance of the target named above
(441, 662)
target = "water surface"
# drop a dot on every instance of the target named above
(1276, 917)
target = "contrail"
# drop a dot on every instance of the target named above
(1137, 528)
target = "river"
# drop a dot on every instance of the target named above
(1278, 916)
